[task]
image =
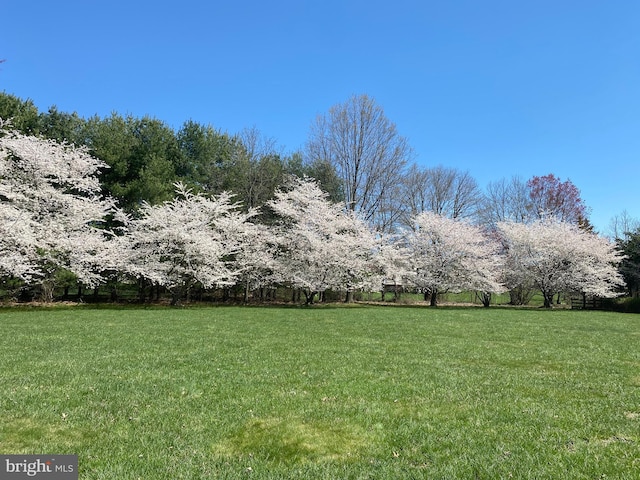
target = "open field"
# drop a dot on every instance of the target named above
(324, 392)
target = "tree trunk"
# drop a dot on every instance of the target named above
(46, 291)
(114, 292)
(309, 297)
(245, 298)
(520, 295)
(141, 290)
(434, 298)
(485, 298)
(176, 296)
(548, 299)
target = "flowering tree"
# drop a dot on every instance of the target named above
(551, 197)
(559, 257)
(187, 241)
(51, 211)
(444, 254)
(539, 197)
(319, 245)
(255, 259)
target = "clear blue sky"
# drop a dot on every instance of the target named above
(498, 88)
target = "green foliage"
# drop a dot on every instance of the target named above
(25, 118)
(10, 288)
(146, 157)
(624, 305)
(142, 155)
(630, 268)
(206, 156)
(22, 113)
(62, 127)
(255, 179)
(352, 392)
(327, 176)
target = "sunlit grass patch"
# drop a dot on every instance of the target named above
(291, 441)
(19, 434)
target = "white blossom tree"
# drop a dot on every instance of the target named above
(447, 255)
(559, 257)
(188, 241)
(51, 211)
(394, 269)
(256, 259)
(320, 245)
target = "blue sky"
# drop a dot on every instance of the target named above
(498, 88)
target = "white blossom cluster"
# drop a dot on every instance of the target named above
(50, 210)
(320, 245)
(53, 217)
(442, 254)
(558, 257)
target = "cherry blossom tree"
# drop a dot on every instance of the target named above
(255, 259)
(444, 254)
(393, 268)
(51, 212)
(560, 257)
(188, 241)
(319, 244)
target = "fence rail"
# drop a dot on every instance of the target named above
(586, 303)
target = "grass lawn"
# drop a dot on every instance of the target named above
(324, 392)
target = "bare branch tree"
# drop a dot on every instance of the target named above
(367, 152)
(506, 200)
(622, 226)
(445, 191)
(257, 144)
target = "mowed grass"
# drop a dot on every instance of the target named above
(324, 392)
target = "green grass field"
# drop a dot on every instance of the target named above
(324, 392)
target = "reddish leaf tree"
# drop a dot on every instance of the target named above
(552, 197)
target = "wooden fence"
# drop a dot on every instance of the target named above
(584, 302)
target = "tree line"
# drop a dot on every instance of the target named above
(354, 152)
(144, 157)
(361, 168)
